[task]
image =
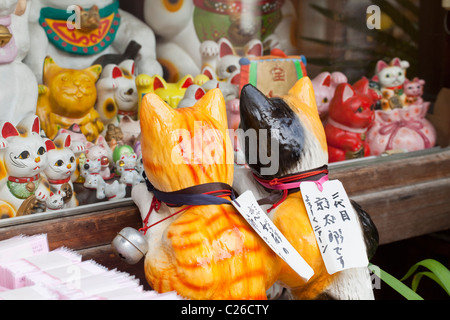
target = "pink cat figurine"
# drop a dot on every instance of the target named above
(413, 91)
(324, 86)
(101, 150)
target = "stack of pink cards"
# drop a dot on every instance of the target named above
(29, 271)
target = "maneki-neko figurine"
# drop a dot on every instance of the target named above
(62, 164)
(77, 34)
(23, 157)
(18, 93)
(350, 115)
(117, 93)
(68, 97)
(401, 124)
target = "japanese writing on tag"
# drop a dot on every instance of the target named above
(248, 207)
(335, 226)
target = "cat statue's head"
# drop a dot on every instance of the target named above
(393, 74)
(288, 131)
(188, 146)
(72, 92)
(26, 152)
(61, 159)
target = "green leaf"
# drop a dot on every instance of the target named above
(440, 272)
(395, 284)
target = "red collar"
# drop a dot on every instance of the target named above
(127, 113)
(60, 181)
(24, 180)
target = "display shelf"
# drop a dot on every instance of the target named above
(407, 195)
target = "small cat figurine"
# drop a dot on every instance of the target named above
(61, 166)
(55, 201)
(205, 252)
(172, 93)
(350, 115)
(89, 19)
(127, 168)
(101, 150)
(414, 91)
(117, 92)
(115, 190)
(324, 87)
(93, 180)
(22, 160)
(67, 97)
(391, 78)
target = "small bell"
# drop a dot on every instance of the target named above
(130, 245)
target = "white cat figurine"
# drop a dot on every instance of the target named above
(23, 156)
(19, 92)
(117, 92)
(100, 150)
(61, 166)
(93, 180)
(126, 166)
(115, 190)
(55, 201)
(391, 78)
(76, 34)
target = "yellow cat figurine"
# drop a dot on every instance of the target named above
(209, 251)
(171, 93)
(68, 96)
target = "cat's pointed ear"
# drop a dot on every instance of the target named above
(381, 65)
(49, 145)
(345, 92)
(95, 70)
(8, 130)
(396, 62)
(254, 48)
(29, 124)
(213, 103)
(153, 109)
(186, 81)
(362, 86)
(304, 92)
(50, 66)
(159, 82)
(225, 48)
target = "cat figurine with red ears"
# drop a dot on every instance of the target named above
(349, 116)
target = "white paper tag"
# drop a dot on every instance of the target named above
(335, 226)
(248, 207)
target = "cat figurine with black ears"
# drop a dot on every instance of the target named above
(297, 132)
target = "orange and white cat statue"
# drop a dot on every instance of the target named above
(203, 251)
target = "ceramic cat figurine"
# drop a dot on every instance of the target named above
(183, 27)
(413, 90)
(90, 170)
(172, 93)
(101, 150)
(23, 157)
(117, 92)
(205, 252)
(77, 34)
(67, 97)
(18, 92)
(126, 166)
(391, 78)
(324, 87)
(55, 201)
(349, 117)
(62, 164)
(302, 146)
